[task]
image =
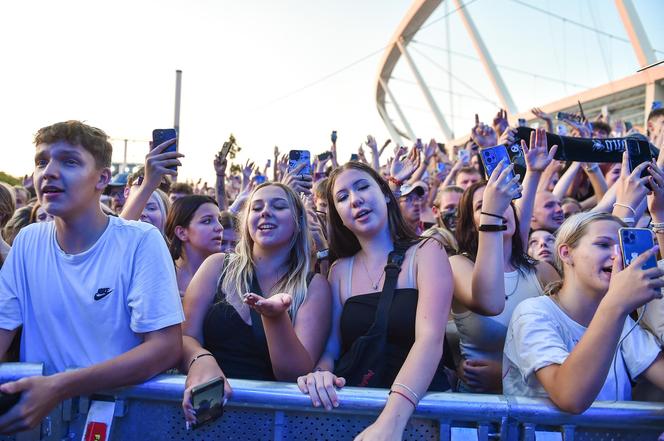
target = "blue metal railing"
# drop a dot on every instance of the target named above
(268, 410)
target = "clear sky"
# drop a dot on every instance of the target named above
(113, 65)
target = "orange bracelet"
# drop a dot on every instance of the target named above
(403, 395)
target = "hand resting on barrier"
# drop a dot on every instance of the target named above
(321, 387)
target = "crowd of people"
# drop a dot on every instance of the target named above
(406, 269)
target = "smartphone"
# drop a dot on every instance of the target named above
(7, 401)
(323, 156)
(333, 137)
(297, 157)
(441, 167)
(224, 150)
(464, 156)
(208, 401)
(259, 179)
(491, 157)
(522, 122)
(354, 157)
(633, 243)
(569, 116)
(418, 144)
(160, 136)
(269, 162)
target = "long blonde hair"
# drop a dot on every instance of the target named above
(570, 233)
(240, 267)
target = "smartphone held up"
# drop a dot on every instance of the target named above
(160, 136)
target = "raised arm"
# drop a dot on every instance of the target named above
(574, 384)
(537, 160)
(480, 287)
(220, 185)
(157, 165)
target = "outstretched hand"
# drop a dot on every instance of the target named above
(273, 306)
(538, 157)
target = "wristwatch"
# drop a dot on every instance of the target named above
(323, 254)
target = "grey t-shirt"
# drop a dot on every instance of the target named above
(541, 334)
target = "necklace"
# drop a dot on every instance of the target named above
(374, 286)
(516, 286)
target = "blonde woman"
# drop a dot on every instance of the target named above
(579, 344)
(258, 313)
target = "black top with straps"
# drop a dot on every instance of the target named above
(357, 317)
(239, 348)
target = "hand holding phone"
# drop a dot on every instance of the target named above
(333, 137)
(207, 400)
(633, 243)
(297, 157)
(162, 136)
(492, 157)
(464, 157)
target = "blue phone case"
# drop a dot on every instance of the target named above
(633, 243)
(492, 156)
(297, 157)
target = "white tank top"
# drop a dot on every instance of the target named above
(482, 337)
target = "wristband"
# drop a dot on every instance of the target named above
(323, 254)
(395, 181)
(492, 228)
(197, 357)
(592, 169)
(493, 215)
(403, 395)
(657, 225)
(625, 206)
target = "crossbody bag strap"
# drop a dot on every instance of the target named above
(392, 270)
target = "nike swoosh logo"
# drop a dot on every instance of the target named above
(102, 292)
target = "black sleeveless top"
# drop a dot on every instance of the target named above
(240, 349)
(358, 315)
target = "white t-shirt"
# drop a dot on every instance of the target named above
(541, 334)
(81, 309)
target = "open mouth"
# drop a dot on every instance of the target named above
(265, 227)
(559, 217)
(51, 189)
(607, 270)
(362, 214)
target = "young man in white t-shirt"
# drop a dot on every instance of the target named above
(94, 293)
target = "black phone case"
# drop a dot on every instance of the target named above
(7, 401)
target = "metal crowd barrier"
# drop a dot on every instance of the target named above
(279, 411)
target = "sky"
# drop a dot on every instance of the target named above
(246, 64)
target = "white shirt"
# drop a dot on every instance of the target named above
(541, 334)
(82, 309)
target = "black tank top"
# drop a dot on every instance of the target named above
(240, 349)
(358, 315)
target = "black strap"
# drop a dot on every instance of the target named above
(392, 270)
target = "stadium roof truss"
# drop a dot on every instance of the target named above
(626, 98)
